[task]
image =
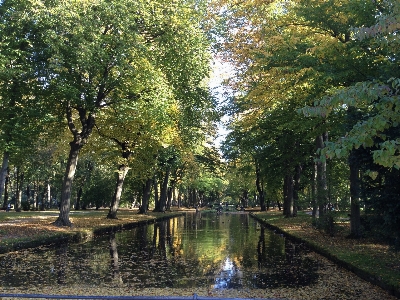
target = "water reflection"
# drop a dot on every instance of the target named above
(230, 276)
(116, 275)
(62, 262)
(199, 250)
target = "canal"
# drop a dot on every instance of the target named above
(229, 254)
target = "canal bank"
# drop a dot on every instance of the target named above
(23, 230)
(284, 275)
(374, 262)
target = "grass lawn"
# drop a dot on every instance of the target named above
(33, 228)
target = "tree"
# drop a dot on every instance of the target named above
(21, 114)
(140, 127)
(95, 55)
(92, 65)
(375, 101)
(291, 53)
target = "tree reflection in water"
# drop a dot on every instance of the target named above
(116, 275)
(200, 250)
(62, 263)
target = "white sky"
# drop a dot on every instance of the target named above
(220, 71)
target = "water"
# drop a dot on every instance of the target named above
(217, 251)
(231, 254)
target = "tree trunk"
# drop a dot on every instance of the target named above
(63, 218)
(288, 196)
(48, 194)
(28, 194)
(245, 198)
(179, 198)
(314, 202)
(169, 197)
(42, 193)
(355, 223)
(171, 193)
(296, 188)
(193, 197)
(174, 197)
(322, 187)
(3, 174)
(18, 192)
(78, 199)
(146, 196)
(164, 193)
(122, 171)
(35, 196)
(260, 188)
(87, 122)
(353, 161)
(156, 198)
(5, 203)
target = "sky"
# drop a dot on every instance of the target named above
(220, 71)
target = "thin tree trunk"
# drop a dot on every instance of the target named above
(35, 196)
(146, 196)
(322, 187)
(171, 193)
(179, 198)
(156, 198)
(169, 198)
(122, 171)
(296, 188)
(48, 194)
(42, 193)
(355, 222)
(192, 197)
(314, 203)
(164, 193)
(28, 195)
(18, 192)
(78, 199)
(3, 174)
(288, 196)
(260, 188)
(63, 218)
(5, 203)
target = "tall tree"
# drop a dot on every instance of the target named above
(97, 56)
(287, 54)
(21, 116)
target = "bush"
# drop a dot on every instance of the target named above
(25, 205)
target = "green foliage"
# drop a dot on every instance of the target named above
(324, 64)
(25, 205)
(133, 70)
(382, 100)
(98, 192)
